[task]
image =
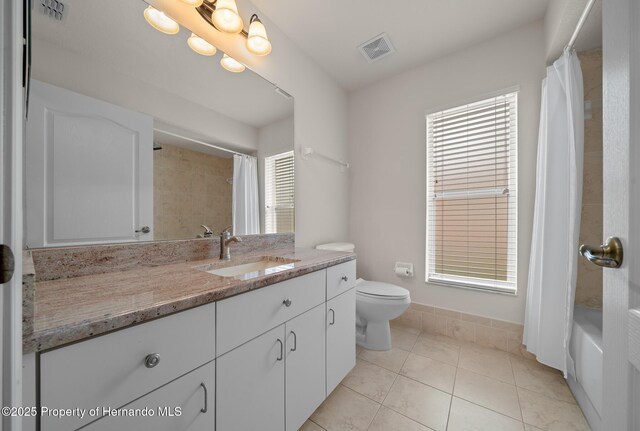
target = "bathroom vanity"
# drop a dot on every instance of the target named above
(253, 351)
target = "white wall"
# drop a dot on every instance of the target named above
(387, 151)
(275, 138)
(320, 120)
(60, 67)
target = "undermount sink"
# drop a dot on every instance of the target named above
(250, 269)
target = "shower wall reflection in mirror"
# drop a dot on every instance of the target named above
(132, 136)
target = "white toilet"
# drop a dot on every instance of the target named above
(376, 304)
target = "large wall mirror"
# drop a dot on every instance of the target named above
(133, 136)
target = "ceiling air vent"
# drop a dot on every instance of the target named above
(377, 48)
(53, 9)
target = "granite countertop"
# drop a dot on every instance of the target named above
(73, 309)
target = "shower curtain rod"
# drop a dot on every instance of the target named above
(175, 135)
(581, 21)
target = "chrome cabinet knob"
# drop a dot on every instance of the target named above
(152, 360)
(287, 302)
(345, 278)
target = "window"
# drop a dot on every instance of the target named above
(471, 195)
(279, 193)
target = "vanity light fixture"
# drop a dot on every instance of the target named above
(158, 20)
(257, 40)
(194, 3)
(200, 45)
(231, 64)
(225, 16)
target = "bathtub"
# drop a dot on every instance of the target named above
(586, 350)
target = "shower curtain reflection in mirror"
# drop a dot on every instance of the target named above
(246, 209)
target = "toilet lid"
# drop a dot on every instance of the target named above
(378, 289)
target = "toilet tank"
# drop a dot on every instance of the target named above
(337, 246)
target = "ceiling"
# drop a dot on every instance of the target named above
(114, 33)
(420, 30)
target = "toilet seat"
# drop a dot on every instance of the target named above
(379, 290)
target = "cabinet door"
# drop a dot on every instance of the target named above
(341, 337)
(250, 385)
(89, 170)
(305, 366)
(186, 404)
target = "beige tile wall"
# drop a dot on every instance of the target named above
(190, 189)
(589, 286)
(498, 334)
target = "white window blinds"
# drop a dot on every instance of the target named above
(279, 193)
(471, 195)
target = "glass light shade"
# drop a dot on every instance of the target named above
(158, 20)
(226, 17)
(257, 41)
(194, 3)
(200, 45)
(231, 64)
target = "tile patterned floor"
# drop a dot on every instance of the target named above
(431, 382)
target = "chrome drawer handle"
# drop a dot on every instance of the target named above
(287, 302)
(333, 317)
(152, 360)
(279, 358)
(295, 342)
(345, 278)
(206, 398)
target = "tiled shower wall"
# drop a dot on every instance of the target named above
(589, 287)
(190, 189)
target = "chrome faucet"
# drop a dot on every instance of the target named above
(225, 239)
(208, 233)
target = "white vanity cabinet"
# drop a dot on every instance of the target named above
(117, 368)
(262, 360)
(305, 373)
(275, 381)
(250, 385)
(341, 337)
(186, 404)
(341, 322)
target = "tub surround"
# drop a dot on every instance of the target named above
(67, 310)
(589, 284)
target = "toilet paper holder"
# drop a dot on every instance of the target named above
(404, 269)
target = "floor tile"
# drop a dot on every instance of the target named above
(345, 410)
(399, 324)
(430, 372)
(370, 380)
(488, 362)
(549, 414)
(390, 359)
(388, 420)
(419, 402)
(536, 377)
(310, 426)
(528, 427)
(402, 339)
(437, 350)
(487, 392)
(466, 416)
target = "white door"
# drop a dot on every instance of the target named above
(305, 366)
(621, 308)
(89, 170)
(341, 337)
(192, 394)
(250, 385)
(11, 141)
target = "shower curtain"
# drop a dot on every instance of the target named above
(246, 212)
(556, 222)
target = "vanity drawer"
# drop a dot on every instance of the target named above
(340, 278)
(110, 370)
(248, 315)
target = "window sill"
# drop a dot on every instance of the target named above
(471, 286)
